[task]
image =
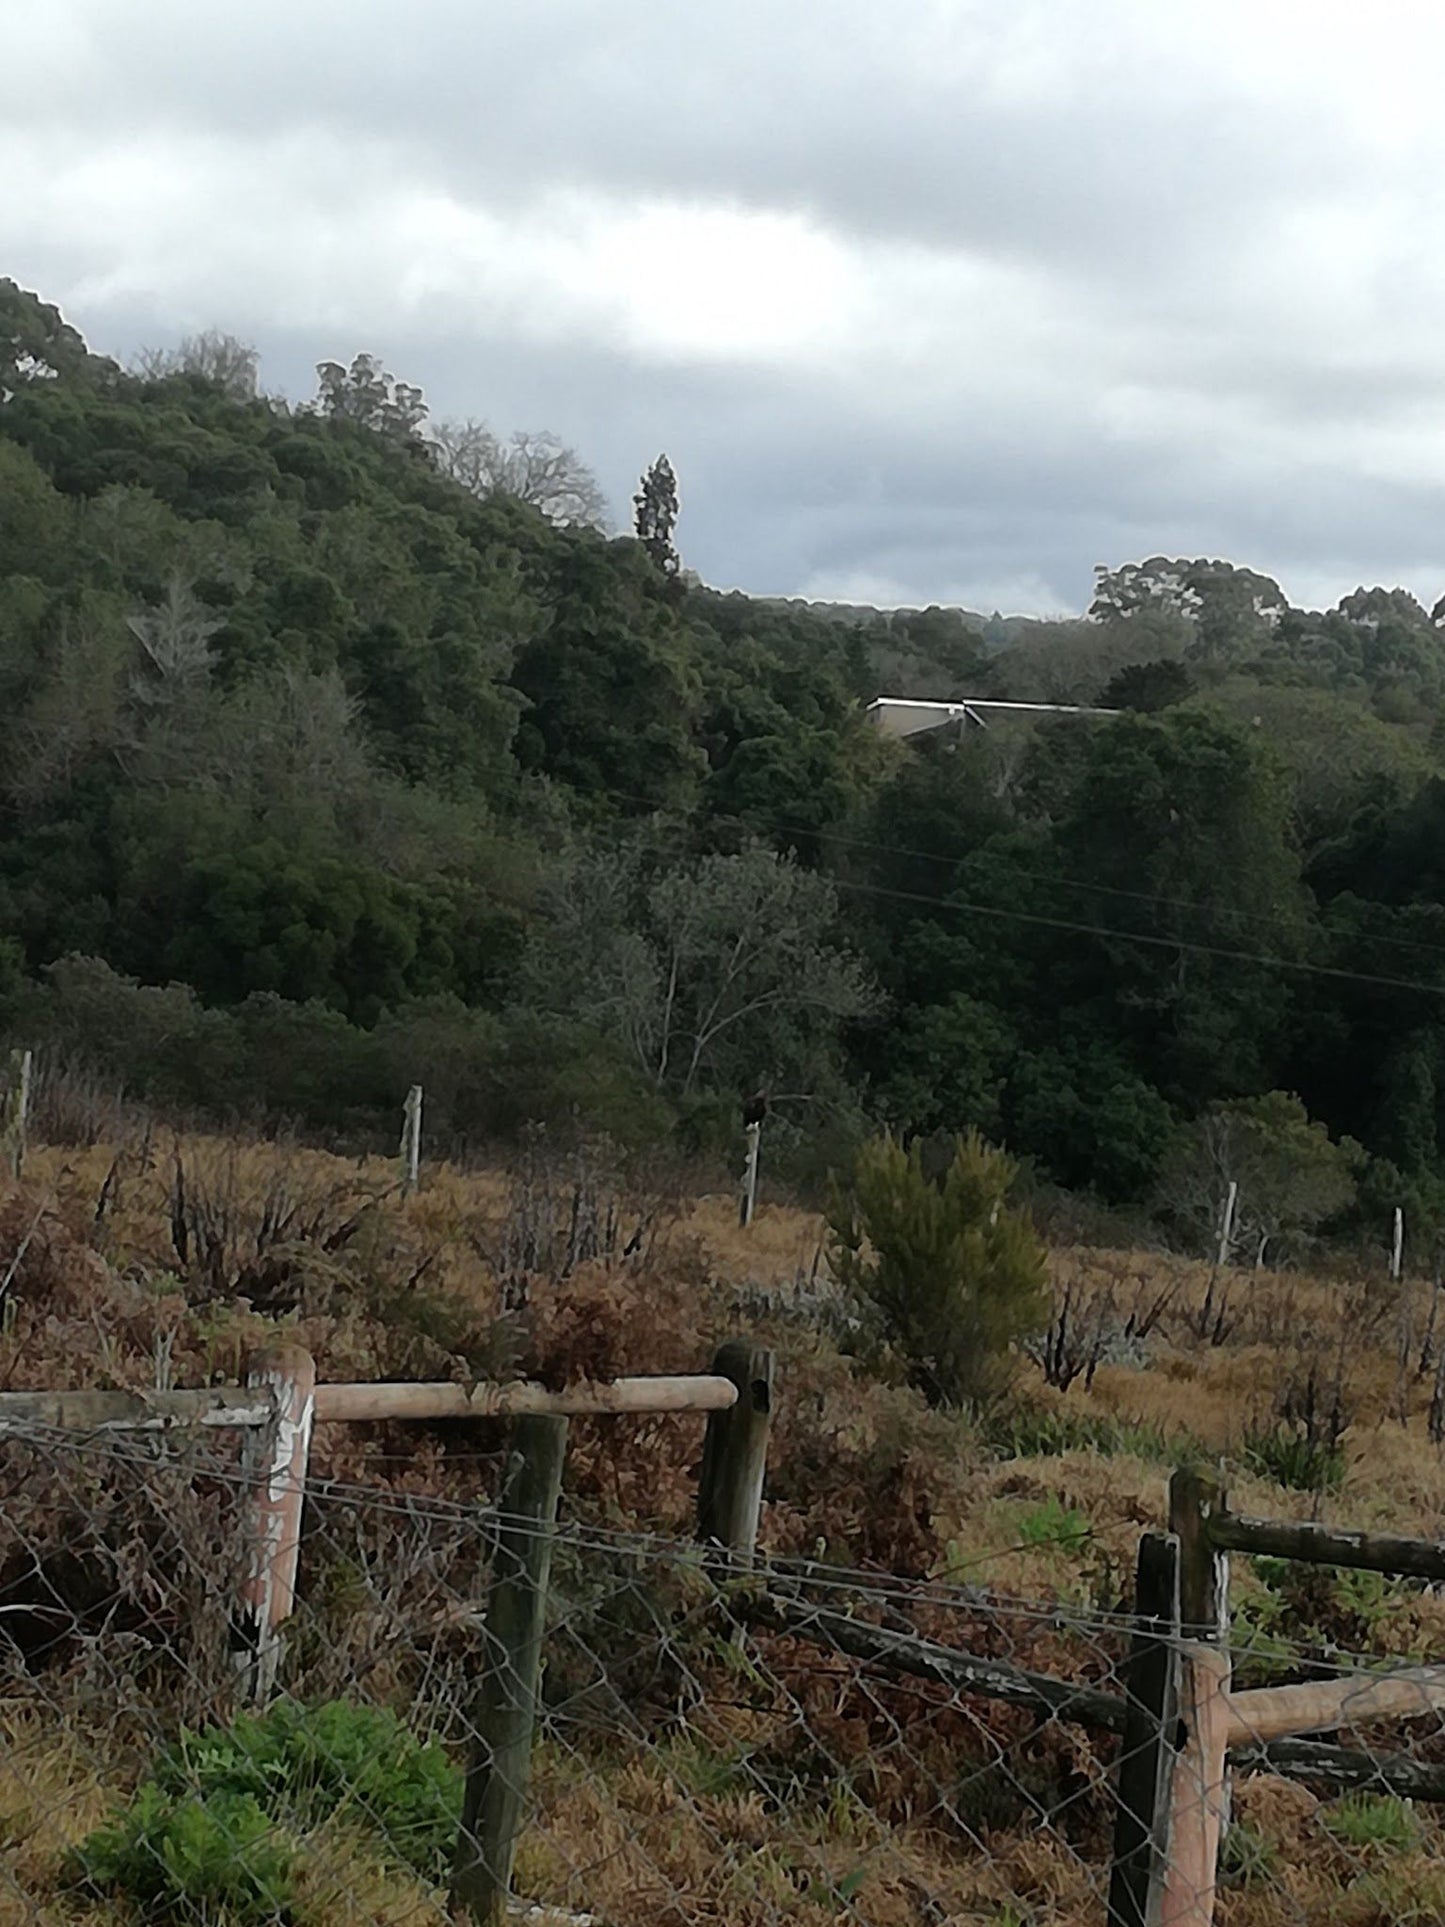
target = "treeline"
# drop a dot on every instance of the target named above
(341, 750)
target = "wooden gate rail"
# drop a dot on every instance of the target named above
(242, 1406)
(1314, 1544)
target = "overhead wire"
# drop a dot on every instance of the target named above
(1060, 881)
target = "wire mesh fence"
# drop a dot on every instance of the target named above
(797, 1743)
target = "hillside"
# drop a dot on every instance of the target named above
(324, 773)
(676, 1780)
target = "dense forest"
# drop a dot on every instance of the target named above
(343, 749)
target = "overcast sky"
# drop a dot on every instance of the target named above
(943, 302)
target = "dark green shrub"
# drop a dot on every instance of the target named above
(223, 1820)
(944, 1270)
(218, 1853)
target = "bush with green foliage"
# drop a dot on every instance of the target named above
(220, 1828)
(947, 1273)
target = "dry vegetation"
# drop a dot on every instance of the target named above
(158, 1262)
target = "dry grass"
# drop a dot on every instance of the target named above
(107, 1290)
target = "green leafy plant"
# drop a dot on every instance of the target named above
(1052, 1523)
(218, 1854)
(223, 1821)
(1292, 1458)
(945, 1271)
(1373, 1820)
(1036, 1432)
(1246, 1858)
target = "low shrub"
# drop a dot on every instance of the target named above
(223, 1822)
(945, 1271)
(1373, 1820)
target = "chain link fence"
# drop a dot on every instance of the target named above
(802, 1743)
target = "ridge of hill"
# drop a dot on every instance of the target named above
(332, 765)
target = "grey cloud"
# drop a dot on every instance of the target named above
(1142, 207)
(835, 111)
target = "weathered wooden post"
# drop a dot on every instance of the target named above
(411, 1140)
(15, 1111)
(1200, 1798)
(276, 1456)
(505, 1707)
(1146, 1754)
(1226, 1224)
(1397, 1246)
(749, 1203)
(735, 1452)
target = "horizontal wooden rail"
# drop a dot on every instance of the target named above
(1327, 1545)
(1275, 1712)
(218, 1405)
(1252, 1750)
(700, 1393)
(236, 1406)
(1342, 1769)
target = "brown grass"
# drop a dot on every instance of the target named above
(282, 1239)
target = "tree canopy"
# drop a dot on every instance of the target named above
(339, 743)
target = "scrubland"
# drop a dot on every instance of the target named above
(162, 1261)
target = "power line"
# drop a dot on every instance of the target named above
(1066, 882)
(951, 905)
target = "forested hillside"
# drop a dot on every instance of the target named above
(330, 762)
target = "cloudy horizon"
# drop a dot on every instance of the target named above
(938, 307)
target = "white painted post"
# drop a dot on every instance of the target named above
(15, 1110)
(1397, 1250)
(750, 1175)
(276, 1458)
(1226, 1223)
(411, 1139)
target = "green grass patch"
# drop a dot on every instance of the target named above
(1291, 1458)
(1373, 1820)
(1040, 1432)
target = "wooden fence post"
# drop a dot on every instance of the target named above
(749, 1202)
(1203, 1572)
(15, 1111)
(411, 1140)
(735, 1451)
(1226, 1224)
(1200, 1798)
(276, 1455)
(1146, 1755)
(505, 1708)
(1200, 1793)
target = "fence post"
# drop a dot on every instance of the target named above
(1146, 1755)
(411, 1140)
(749, 1202)
(1203, 1572)
(505, 1708)
(1200, 1794)
(15, 1111)
(735, 1451)
(1226, 1224)
(1200, 1800)
(276, 1456)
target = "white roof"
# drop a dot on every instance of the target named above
(901, 716)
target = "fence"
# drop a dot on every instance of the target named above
(630, 1729)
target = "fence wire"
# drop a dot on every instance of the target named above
(803, 1744)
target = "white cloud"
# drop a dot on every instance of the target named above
(956, 301)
